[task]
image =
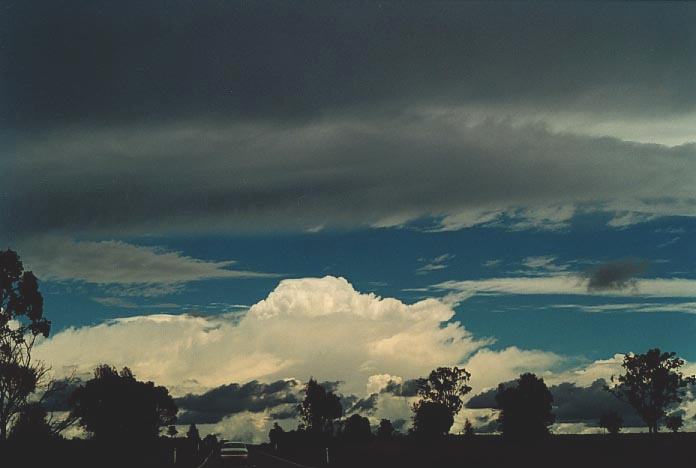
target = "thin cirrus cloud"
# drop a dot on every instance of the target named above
(116, 264)
(434, 264)
(568, 284)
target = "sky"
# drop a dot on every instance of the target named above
(231, 197)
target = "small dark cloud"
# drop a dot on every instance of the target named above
(619, 274)
(407, 388)
(366, 405)
(213, 405)
(331, 385)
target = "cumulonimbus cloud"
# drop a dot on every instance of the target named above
(310, 326)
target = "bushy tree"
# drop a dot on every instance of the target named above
(431, 419)
(440, 400)
(674, 422)
(525, 407)
(31, 425)
(275, 434)
(116, 406)
(319, 408)
(611, 421)
(446, 386)
(357, 429)
(651, 383)
(385, 430)
(193, 435)
(210, 444)
(21, 322)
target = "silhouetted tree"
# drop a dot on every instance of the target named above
(31, 425)
(611, 421)
(525, 408)
(441, 399)
(357, 429)
(210, 444)
(385, 430)
(446, 386)
(116, 406)
(431, 419)
(468, 428)
(275, 434)
(171, 431)
(21, 322)
(674, 422)
(319, 408)
(193, 435)
(651, 384)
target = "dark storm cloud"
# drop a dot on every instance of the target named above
(573, 404)
(620, 274)
(213, 405)
(102, 61)
(130, 118)
(344, 173)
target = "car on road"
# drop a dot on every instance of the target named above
(234, 454)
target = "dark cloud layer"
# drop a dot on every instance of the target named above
(101, 60)
(132, 118)
(193, 178)
(213, 405)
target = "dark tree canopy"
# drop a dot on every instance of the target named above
(525, 408)
(674, 422)
(319, 408)
(611, 421)
(431, 420)
(21, 321)
(446, 386)
(385, 430)
(651, 383)
(116, 406)
(275, 434)
(193, 435)
(20, 300)
(468, 428)
(441, 399)
(31, 425)
(357, 429)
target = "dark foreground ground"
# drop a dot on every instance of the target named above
(587, 451)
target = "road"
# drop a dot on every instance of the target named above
(265, 460)
(260, 459)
